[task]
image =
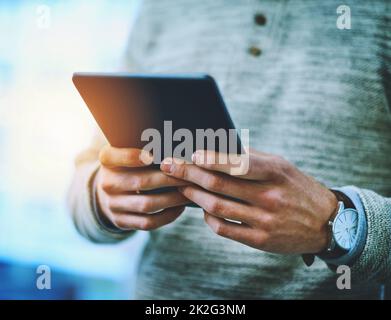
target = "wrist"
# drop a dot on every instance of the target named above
(346, 202)
(335, 249)
(358, 244)
(331, 213)
(331, 209)
(347, 230)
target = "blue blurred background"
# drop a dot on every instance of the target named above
(43, 125)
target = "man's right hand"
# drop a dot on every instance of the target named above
(123, 175)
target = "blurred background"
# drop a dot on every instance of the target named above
(43, 125)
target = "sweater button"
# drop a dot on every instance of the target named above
(254, 51)
(260, 19)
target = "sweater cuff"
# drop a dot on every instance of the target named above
(374, 262)
(88, 223)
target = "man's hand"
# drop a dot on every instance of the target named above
(123, 175)
(282, 210)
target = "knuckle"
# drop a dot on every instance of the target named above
(145, 205)
(180, 169)
(130, 156)
(214, 183)
(272, 199)
(219, 228)
(272, 167)
(136, 183)
(119, 222)
(106, 185)
(283, 168)
(267, 222)
(106, 180)
(188, 192)
(262, 240)
(214, 206)
(147, 224)
(284, 165)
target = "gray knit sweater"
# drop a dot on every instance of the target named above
(317, 95)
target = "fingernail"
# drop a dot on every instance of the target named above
(195, 157)
(146, 157)
(166, 166)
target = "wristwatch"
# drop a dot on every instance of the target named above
(343, 226)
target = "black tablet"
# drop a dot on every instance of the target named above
(131, 108)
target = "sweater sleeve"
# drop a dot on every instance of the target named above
(81, 197)
(374, 263)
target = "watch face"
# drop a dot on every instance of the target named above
(345, 228)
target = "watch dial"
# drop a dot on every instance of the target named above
(345, 228)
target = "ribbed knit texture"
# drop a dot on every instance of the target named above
(317, 95)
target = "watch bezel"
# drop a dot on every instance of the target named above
(335, 223)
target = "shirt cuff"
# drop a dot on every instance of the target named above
(350, 257)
